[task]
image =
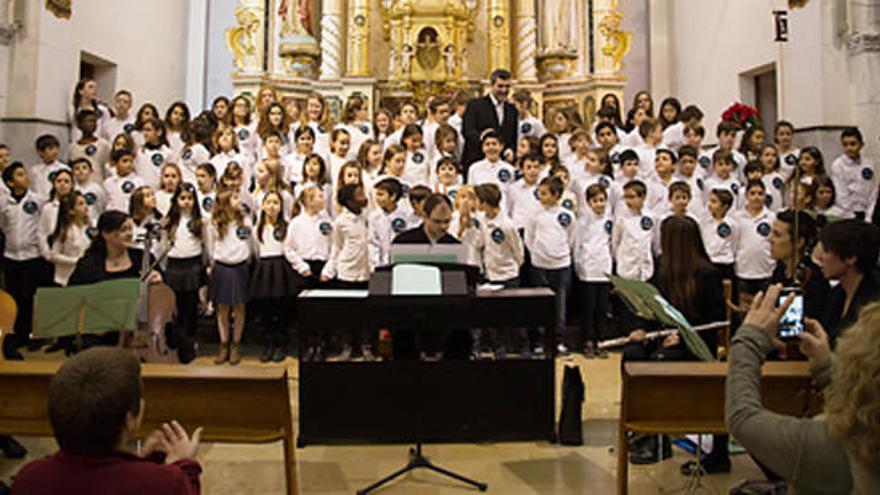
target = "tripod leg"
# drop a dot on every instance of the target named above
(391, 477)
(480, 486)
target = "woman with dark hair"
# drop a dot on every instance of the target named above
(111, 254)
(85, 97)
(848, 252)
(688, 280)
(802, 273)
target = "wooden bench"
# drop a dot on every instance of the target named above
(675, 398)
(239, 405)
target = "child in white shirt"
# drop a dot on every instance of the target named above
(592, 261)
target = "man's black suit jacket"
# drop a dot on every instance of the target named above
(479, 116)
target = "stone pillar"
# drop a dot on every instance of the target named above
(499, 35)
(358, 56)
(863, 42)
(527, 41)
(331, 40)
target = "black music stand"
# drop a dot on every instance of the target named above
(456, 283)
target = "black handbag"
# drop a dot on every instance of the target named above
(570, 421)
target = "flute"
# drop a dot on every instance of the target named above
(621, 341)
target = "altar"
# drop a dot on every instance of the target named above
(568, 53)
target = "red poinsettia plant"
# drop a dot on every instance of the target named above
(742, 116)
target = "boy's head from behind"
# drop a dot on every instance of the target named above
(488, 196)
(95, 400)
(417, 196)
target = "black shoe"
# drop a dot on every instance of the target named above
(35, 345)
(266, 355)
(708, 465)
(648, 452)
(10, 353)
(11, 448)
(280, 354)
(186, 353)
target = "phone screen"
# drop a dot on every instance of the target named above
(792, 322)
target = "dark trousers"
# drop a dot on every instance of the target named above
(22, 280)
(559, 281)
(357, 337)
(594, 311)
(273, 314)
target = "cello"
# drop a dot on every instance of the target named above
(8, 312)
(156, 310)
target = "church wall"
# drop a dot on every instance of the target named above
(145, 40)
(636, 66)
(218, 66)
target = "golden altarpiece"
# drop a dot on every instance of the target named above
(567, 52)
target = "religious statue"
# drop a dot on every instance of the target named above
(393, 66)
(406, 60)
(60, 8)
(560, 25)
(464, 62)
(246, 39)
(428, 48)
(450, 56)
(299, 22)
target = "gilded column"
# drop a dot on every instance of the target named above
(358, 60)
(499, 35)
(331, 39)
(527, 41)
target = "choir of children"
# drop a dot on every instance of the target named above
(256, 205)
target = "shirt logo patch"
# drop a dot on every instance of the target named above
(30, 207)
(504, 175)
(325, 227)
(418, 157)
(243, 134)
(498, 235)
(604, 182)
(734, 188)
(128, 128)
(90, 198)
(279, 234)
(724, 231)
(398, 225)
(700, 183)
(246, 209)
(243, 232)
(564, 219)
(476, 223)
(127, 186)
(404, 189)
(322, 129)
(52, 175)
(867, 173)
(364, 129)
(208, 204)
(615, 157)
(517, 174)
(705, 161)
(526, 128)
(763, 229)
(609, 225)
(777, 183)
(91, 149)
(567, 204)
(187, 154)
(646, 223)
(791, 160)
(157, 159)
(453, 193)
(768, 200)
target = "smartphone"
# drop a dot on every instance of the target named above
(791, 325)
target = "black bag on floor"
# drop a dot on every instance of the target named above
(570, 422)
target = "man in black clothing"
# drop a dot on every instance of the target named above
(492, 111)
(437, 217)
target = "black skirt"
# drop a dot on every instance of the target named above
(229, 283)
(274, 278)
(185, 274)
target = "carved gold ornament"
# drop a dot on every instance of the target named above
(62, 9)
(617, 41)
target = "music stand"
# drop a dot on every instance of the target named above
(455, 284)
(96, 308)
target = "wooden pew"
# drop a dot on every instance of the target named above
(239, 405)
(688, 397)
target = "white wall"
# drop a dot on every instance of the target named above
(219, 64)
(146, 40)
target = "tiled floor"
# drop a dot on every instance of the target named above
(508, 468)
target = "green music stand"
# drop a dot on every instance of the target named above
(646, 302)
(96, 308)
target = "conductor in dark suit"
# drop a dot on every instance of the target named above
(492, 111)
(438, 215)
